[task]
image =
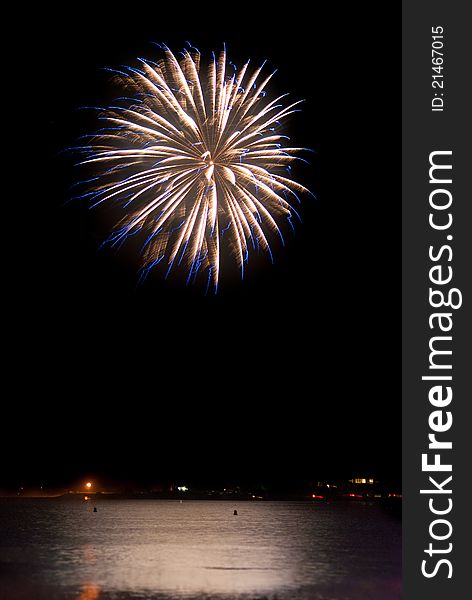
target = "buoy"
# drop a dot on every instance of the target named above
(94, 509)
(235, 512)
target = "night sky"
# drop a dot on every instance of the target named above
(289, 376)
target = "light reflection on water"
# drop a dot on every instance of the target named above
(158, 549)
(90, 591)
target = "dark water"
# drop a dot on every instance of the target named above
(53, 549)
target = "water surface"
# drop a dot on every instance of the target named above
(166, 550)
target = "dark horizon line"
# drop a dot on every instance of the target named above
(169, 485)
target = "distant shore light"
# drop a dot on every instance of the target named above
(88, 485)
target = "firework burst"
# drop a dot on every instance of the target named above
(194, 161)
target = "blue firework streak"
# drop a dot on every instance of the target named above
(192, 162)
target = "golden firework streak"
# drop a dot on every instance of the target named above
(188, 162)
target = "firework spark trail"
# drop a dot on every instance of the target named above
(190, 161)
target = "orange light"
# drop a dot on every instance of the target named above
(86, 497)
(88, 485)
(89, 592)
